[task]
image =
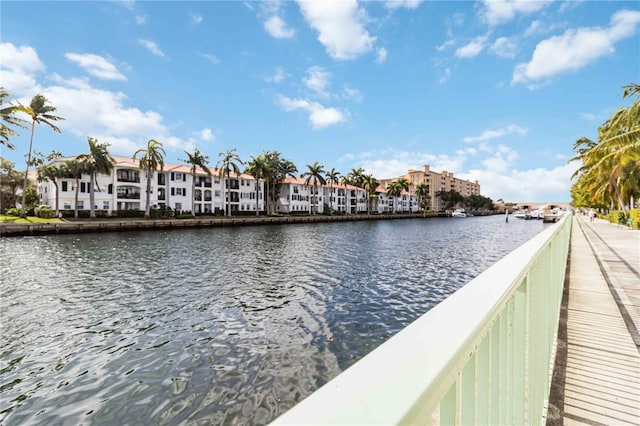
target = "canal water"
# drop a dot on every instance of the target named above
(221, 325)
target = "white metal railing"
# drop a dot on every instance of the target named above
(482, 356)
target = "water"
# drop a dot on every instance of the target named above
(222, 325)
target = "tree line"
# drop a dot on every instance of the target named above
(270, 166)
(609, 172)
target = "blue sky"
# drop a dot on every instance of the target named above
(493, 91)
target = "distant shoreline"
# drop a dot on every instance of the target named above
(81, 227)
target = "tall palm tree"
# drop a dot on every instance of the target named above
(98, 161)
(315, 173)
(7, 113)
(332, 177)
(196, 160)
(370, 184)
(257, 168)
(40, 113)
(151, 158)
(422, 192)
(394, 189)
(76, 167)
(346, 181)
(53, 173)
(228, 161)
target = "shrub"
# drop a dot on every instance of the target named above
(14, 211)
(44, 212)
(635, 218)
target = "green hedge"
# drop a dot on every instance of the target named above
(615, 216)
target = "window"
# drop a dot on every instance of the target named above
(178, 206)
(105, 205)
(66, 206)
(80, 204)
(110, 188)
(64, 186)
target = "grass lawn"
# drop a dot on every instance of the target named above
(30, 219)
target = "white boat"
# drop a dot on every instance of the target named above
(459, 213)
(519, 214)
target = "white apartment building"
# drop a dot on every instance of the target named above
(297, 196)
(125, 189)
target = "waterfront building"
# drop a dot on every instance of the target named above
(125, 189)
(297, 196)
(444, 181)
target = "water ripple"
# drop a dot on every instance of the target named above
(217, 326)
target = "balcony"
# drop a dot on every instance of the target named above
(130, 179)
(129, 196)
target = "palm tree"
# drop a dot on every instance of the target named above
(422, 192)
(76, 168)
(228, 161)
(98, 161)
(53, 172)
(8, 116)
(332, 178)
(151, 158)
(196, 160)
(394, 189)
(370, 184)
(40, 113)
(315, 173)
(346, 180)
(609, 167)
(257, 168)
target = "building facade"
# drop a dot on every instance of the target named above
(436, 182)
(125, 189)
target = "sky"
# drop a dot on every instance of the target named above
(494, 91)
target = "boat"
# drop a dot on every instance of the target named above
(459, 213)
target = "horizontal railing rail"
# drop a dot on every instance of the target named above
(482, 356)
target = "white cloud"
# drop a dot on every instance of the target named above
(381, 55)
(96, 65)
(492, 134)
(445, 45)
(196, 19)
(151, 47)
(17, 68)
(533, 185)
(141, 19)
(575, 48)
(277, 28)
(318, 80)
(446, 74)
(500, 11)
(407, 4)
(211, 58)
(278, 76)
(351, 94)
(504, 47)
(340, 27)
(206, 135)
(319, 115)
(129, 4)
(473, 48)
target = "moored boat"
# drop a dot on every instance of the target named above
(459, 213)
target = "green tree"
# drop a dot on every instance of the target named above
(53, 173)
(150, 159)
(98, 161)
(8, 114)
(345, 180)
(315, 172)
(610, 167)
(332, 178)
(424, 198)
(196, 160)
(394, 189)
(229, 161)
(40, 113)
(76, 167)
(370, 184)
(258, 168)
(10, 182)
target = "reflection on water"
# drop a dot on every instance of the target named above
(217, 326)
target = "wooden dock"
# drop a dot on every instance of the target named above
(596, 379)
